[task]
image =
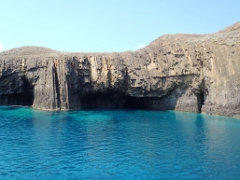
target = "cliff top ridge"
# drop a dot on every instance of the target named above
(230, 35)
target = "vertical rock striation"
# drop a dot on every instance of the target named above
(195, 73)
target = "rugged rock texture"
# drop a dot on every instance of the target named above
(195, 73)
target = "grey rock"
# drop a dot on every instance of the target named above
(194, 73)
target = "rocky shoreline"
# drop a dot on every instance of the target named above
(194, 73)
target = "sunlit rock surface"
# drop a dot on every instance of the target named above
(195, 73)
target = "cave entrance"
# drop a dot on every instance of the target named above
(17, 99)
(200, 99)
(103, 100)
(135, 103)
(23, 96)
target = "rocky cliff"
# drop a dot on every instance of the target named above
(195, 73)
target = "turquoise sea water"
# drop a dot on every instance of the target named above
(117, 144)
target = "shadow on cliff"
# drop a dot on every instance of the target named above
(109, 99)
(20, 96)
(174, 100)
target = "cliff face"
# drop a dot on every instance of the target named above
(195, 73)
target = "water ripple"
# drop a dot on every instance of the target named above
(117, 145)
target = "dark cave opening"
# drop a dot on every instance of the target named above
(17, 99)
(110, 100)
(24, 96)
(135, 103)
(27, 96)
(103, 100)
(200, 99)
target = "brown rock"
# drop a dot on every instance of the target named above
(181, 72)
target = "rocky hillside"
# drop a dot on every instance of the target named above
(195, 73)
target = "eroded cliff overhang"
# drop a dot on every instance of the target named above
(181, 72)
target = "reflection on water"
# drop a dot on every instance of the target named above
(119, 144)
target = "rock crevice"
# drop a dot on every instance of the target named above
(195, 73)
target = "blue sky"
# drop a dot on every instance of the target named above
(108, 25)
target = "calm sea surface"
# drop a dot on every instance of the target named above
(117, 144)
